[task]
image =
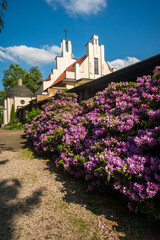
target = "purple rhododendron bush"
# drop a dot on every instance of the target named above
(47, 129)
(112, 139)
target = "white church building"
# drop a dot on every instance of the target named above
(70, 72)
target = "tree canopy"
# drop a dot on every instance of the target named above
(2, 95)
(12, 75)
(31, 78)
(3, 6)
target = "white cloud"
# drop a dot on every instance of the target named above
(121, 63)
(30, 55)
(4, 55)
(79, 7)
(46, 55)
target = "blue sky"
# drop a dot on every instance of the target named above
(33, 31)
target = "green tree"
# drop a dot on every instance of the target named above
(31, 79)
(2, 95)
(12, 117)
(12, 75)
(3, 6)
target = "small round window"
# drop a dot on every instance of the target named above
(22, 102)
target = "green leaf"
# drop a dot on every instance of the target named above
(108, 177)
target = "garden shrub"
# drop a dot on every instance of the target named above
(112, 139)
(15, 124)
(1, 117)
(13, 115)
(32, 114)
(47, 128)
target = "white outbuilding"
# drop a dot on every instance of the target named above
(18, 96)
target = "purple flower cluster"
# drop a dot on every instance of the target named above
(47, 129)
(112, 139)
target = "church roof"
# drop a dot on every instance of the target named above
(69, 69)
(19, 91)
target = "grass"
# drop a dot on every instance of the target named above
(27, 177)
(27, 154)
(95, 238)
(60, 204)
(78, 223)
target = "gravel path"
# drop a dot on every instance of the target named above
(11, 140)
(39, 202)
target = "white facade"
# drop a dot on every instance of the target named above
(16, 101)
(96, 51)
(62, 62)
(19, 96)
(92, 66)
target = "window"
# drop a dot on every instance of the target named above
(96, 66)
(22, 102)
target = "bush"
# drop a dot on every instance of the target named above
(1, 117)
(112, 139)
(47, 128)
(16, 124)
(32, 114)
(12, 117)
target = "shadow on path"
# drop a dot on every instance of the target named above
(3, 162)
(107, 203)
(9, 190)
(4, 147)
(11, 140)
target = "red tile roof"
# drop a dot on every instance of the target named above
(48, 79)
(81, 59)
(70, 69)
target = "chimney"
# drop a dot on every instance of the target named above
(20, 82)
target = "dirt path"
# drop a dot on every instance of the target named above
(11, 140)
(37, 201)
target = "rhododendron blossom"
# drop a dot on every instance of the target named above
(111, 139)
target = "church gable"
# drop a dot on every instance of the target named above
(90, 66)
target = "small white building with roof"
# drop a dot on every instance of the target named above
(18, 96)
